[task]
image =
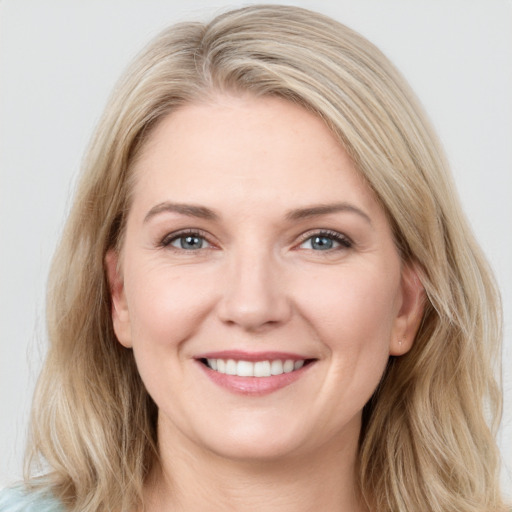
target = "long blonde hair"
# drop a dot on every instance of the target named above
(427, 442)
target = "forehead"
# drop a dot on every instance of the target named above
(252, 151)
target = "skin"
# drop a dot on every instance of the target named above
(258, 283)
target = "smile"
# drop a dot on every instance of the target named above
(243, 368)
(254, 373)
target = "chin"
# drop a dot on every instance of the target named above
(255, 441)
(257, 451)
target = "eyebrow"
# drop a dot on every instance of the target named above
(190, 210)
(201, 212)
(326, 209)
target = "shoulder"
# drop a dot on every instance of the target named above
(18, 500)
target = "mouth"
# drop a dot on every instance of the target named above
(254, 374)
(258, 369)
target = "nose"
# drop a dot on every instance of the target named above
(254, 293)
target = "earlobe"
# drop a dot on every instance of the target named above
(411, 311)
(119, 312)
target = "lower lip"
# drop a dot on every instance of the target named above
(254, 385)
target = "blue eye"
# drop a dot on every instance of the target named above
(326, 242)
(186, 241)
(189, 242)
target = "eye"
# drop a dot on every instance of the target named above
(187, 241)
(326, 241)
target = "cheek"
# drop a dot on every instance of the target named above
(166, 307)
(166, 304)
(352, 307)
(352, 312)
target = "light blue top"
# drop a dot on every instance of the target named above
(17, 500)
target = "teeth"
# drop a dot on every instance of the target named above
(245, 369)
(254, 369)
(288, 366)
(262, 369)
(231, 367)
(276, 367)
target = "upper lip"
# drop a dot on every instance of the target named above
(240, 355)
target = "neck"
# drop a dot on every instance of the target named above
(192, 479)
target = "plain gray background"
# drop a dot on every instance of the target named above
(60, 59)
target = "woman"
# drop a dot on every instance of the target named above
(266, 296)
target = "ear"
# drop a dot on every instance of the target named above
(410, 313)
(120, 313)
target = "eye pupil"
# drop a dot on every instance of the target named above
(191, 242)
(322, 243)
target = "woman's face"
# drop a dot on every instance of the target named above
(259, 284)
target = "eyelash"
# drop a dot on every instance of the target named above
(343, 240)
(168, 239)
